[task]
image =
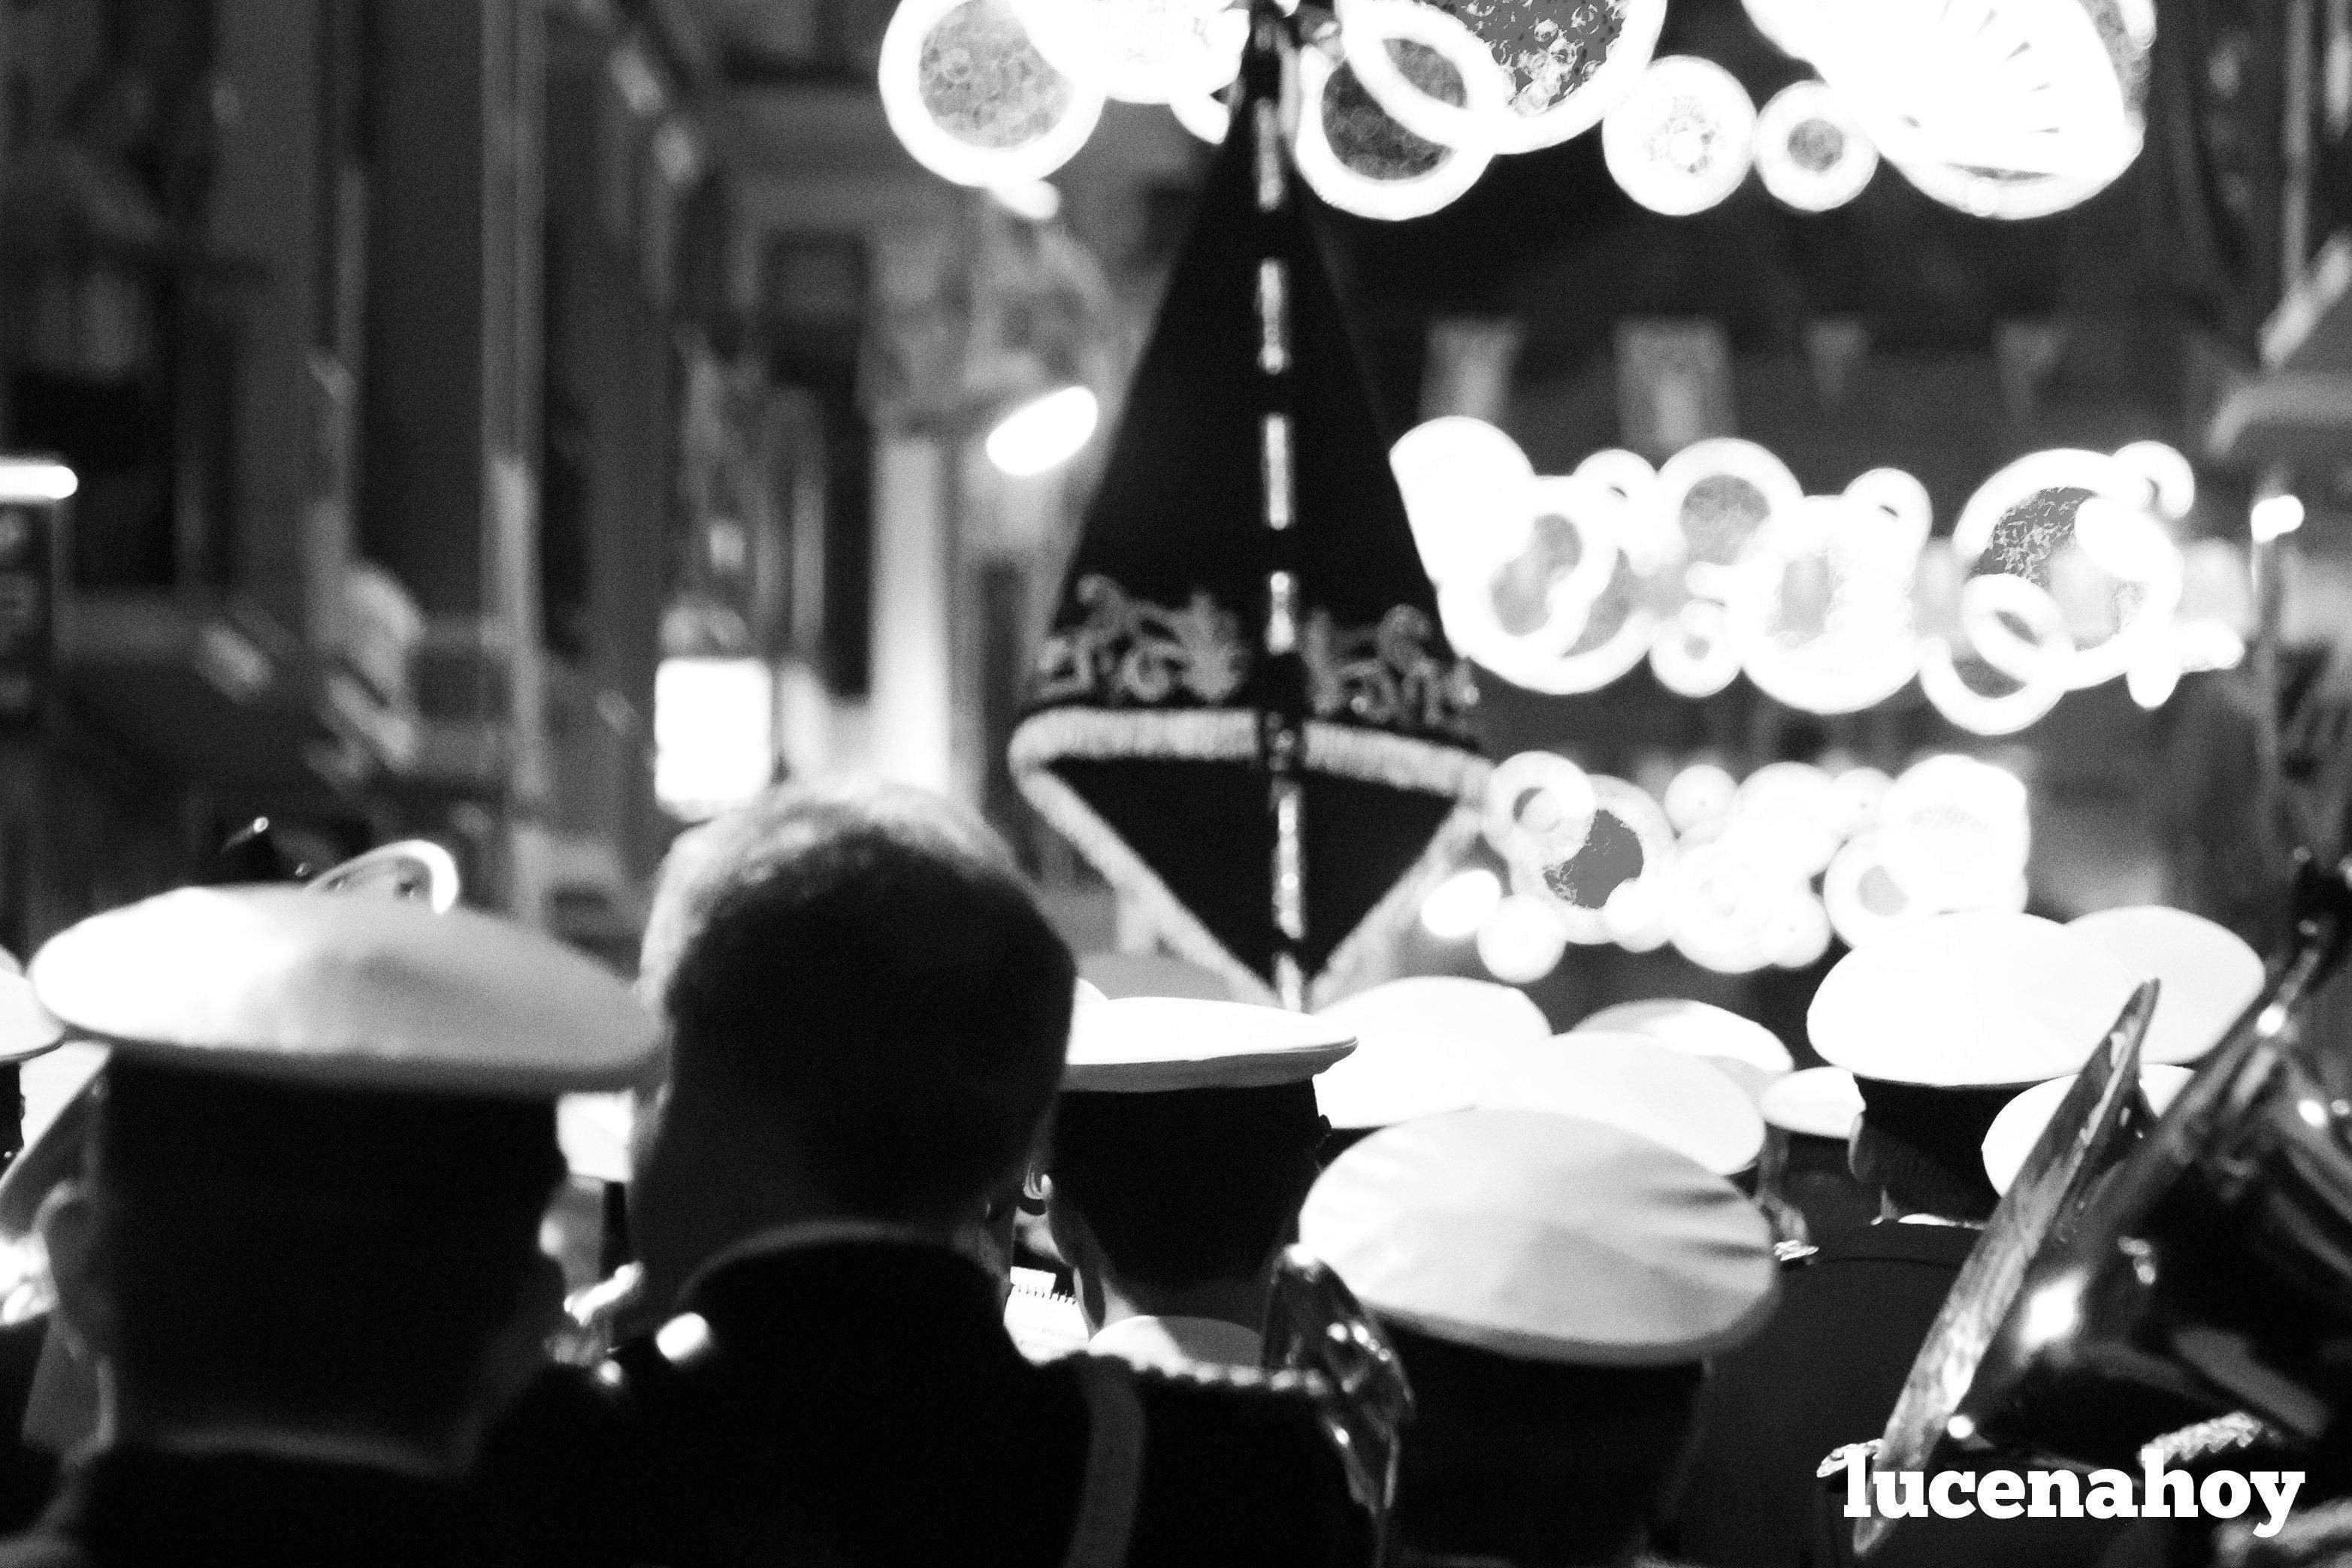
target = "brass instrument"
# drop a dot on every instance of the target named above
(1315, 1326)
(2206, 1283)
(2214, 1275)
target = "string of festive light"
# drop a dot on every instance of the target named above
(2004, 108)
(1736, 875)
(2062, 573)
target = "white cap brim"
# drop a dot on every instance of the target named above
(1450, 1007)
(1818, 1101)
(2021, 1123)
(1973, 999)
(1543, 1237)
(1154, 1044)
(1633, 1083)
(347, 993)
(2207, 974)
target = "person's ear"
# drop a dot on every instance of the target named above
(1036, 1191)
(67, 1226)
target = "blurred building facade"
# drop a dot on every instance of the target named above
(447, 379)
(368, 388)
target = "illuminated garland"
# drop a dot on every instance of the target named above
(2001, 107)
(1736, 876)
(2059, 574)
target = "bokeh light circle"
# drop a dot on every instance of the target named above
(1355, 155)
(1811, 152)
(1683, 139)
(969, 95)
(1522, 940)
(1469, 493)
(1461, 114)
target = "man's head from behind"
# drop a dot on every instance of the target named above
(1185, 1137)
(319, 1157)
(242, 1254)
(1169, 1193)
(867, 1017)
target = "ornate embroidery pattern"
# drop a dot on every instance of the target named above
(1386, 676)
(1130, 652)
(1126, 651)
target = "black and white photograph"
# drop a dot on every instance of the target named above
(1175, 783)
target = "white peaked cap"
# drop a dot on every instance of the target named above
(1452, 1006)
(1543, 1237)
(1117, 975)
(1149, 1044)
(1695, 1029)
(1424, 1045)
(1818, 1101)
(2020, 1124)
(1750, 1054)
(355, 993)
(1972, 999)
(1638, 1086)
(1392, 1077)
(2207, 974)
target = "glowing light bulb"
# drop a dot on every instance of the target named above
(36, 479)
(2151, 681)
(1636, 916)
(1699, 793)
(1043, 433)
(1812, 154)
(1797, 932)
(1683, 137)
(1206, 118)
(2275, 517)
(1469, 493)
(1522, 940)
(1461, 904)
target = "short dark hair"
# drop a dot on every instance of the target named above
(1536, 1462)
(863, 963)
(273, 1247)
(1923, 1147)
(1184, 1187)
(1918, 1180)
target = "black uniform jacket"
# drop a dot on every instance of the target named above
(138, 1506)
(1825, 1372)
(27, 1476)
(857, 1402)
